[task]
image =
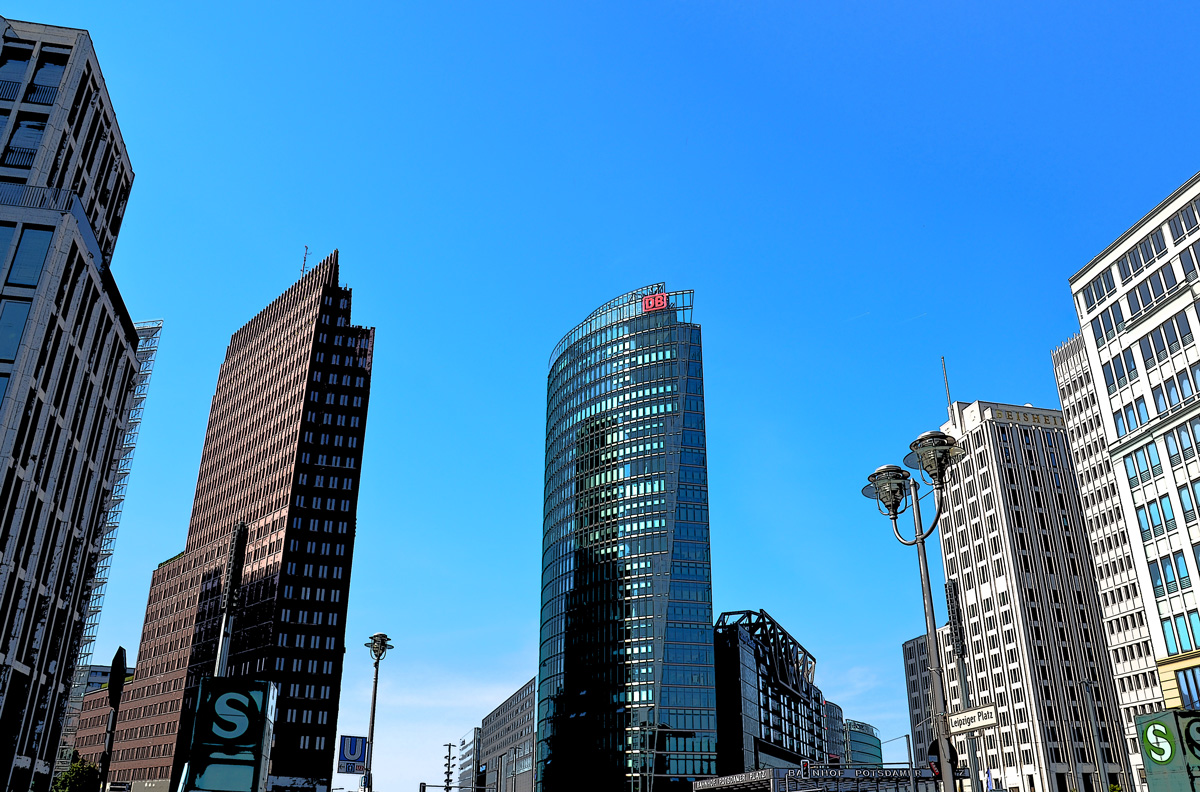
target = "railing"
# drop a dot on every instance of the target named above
(1171, 524)
(9, 90)
(58, 199)
(41, 94)
(17, 157)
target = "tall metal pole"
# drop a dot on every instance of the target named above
(935, 656)
(116, 685)
(912, 769)
(229, 597)
(1101, 775)
(371, 728)
(960, 651)
(379, 646)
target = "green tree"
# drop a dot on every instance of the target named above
(81, 776)
(1114, 788)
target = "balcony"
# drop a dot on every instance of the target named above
(41, 94)
(17, 157)
(58, 200)
(9, 90)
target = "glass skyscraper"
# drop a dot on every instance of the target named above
(625, 685)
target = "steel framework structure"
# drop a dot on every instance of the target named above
(148, 337)
(789, 660)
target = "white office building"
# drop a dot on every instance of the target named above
(1113, 547)
(1013, 538)
(1136, 303)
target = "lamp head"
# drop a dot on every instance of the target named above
(888, 486)
(379, 645)
(933, 454)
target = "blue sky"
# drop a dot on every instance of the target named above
(853, 189)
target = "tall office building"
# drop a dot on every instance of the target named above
(1013, 537)
(67, 358)
(625, 696)
(1136, 303)
(916, 682)
(506, 739)
(1112, 546)
(283, 453)
(770, 713)
(835, 734)
(468, 759)
(147, 352)
(862, 744)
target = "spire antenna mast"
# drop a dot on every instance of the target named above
(945, 380)
(304, 269)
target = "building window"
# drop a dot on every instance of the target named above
(13, 314)
(1189, 687)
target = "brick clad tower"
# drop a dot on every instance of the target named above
(283, 453)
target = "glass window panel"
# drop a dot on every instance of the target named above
(1156, 285)
(6, 234)
(1185, 642)
(13, 314)
(1169, 636)
(31, 255)
(1167, 571)
(1147, 352)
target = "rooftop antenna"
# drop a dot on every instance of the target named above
(949, 403)
(304, 269)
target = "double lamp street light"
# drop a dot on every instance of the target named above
(894, 490)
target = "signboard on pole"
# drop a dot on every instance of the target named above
(352, 755)
(1170, 743)
(231, 739)
(973, 719)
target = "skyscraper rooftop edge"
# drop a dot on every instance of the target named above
(601, 316)
(1133, 229)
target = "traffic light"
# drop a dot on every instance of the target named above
(422, 786)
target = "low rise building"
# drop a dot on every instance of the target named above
(769, 711)
(506, 742)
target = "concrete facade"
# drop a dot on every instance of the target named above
(506, 742)
(283, 453)
(1137, 309)
(67, 359)
(1121, 594)
(1014, 539)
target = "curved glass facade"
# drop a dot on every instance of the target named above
(625, 684)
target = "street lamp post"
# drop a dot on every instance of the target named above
(379, 645)
(894, 489)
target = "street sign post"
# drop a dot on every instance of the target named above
(973, 719)
(231, 739)
(352, 755)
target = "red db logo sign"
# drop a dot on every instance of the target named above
(654, 302)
